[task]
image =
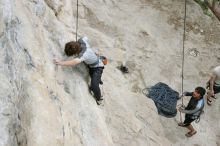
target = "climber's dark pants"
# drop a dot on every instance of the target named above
(96, 74)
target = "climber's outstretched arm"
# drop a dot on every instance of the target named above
(68, 62)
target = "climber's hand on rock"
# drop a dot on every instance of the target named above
(57, 61)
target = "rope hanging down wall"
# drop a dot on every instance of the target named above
(183, 58)
(77, 17)
(183, 51)
(163, 96)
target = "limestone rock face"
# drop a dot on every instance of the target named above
(42, 104)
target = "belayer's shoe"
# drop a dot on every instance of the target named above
(181, 124)
(190, 134)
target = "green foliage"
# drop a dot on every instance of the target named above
(203, 4)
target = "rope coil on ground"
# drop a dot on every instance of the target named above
(164, 98)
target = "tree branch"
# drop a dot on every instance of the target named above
(215, 10)
(214, 7)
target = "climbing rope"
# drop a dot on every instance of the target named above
(183, 52)
(183, 58)
(77, 17)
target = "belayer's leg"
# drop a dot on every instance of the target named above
(190, 127)
(191, 132)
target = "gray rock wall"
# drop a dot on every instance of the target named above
(42, 104)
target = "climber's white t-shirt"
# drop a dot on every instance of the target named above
(89, 56)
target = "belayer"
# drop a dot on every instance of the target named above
(193, 109)
(85, 54)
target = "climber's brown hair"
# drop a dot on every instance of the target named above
(72, 48)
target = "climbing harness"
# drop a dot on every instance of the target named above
(201, 111)
(104, 60)
(198, 118)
